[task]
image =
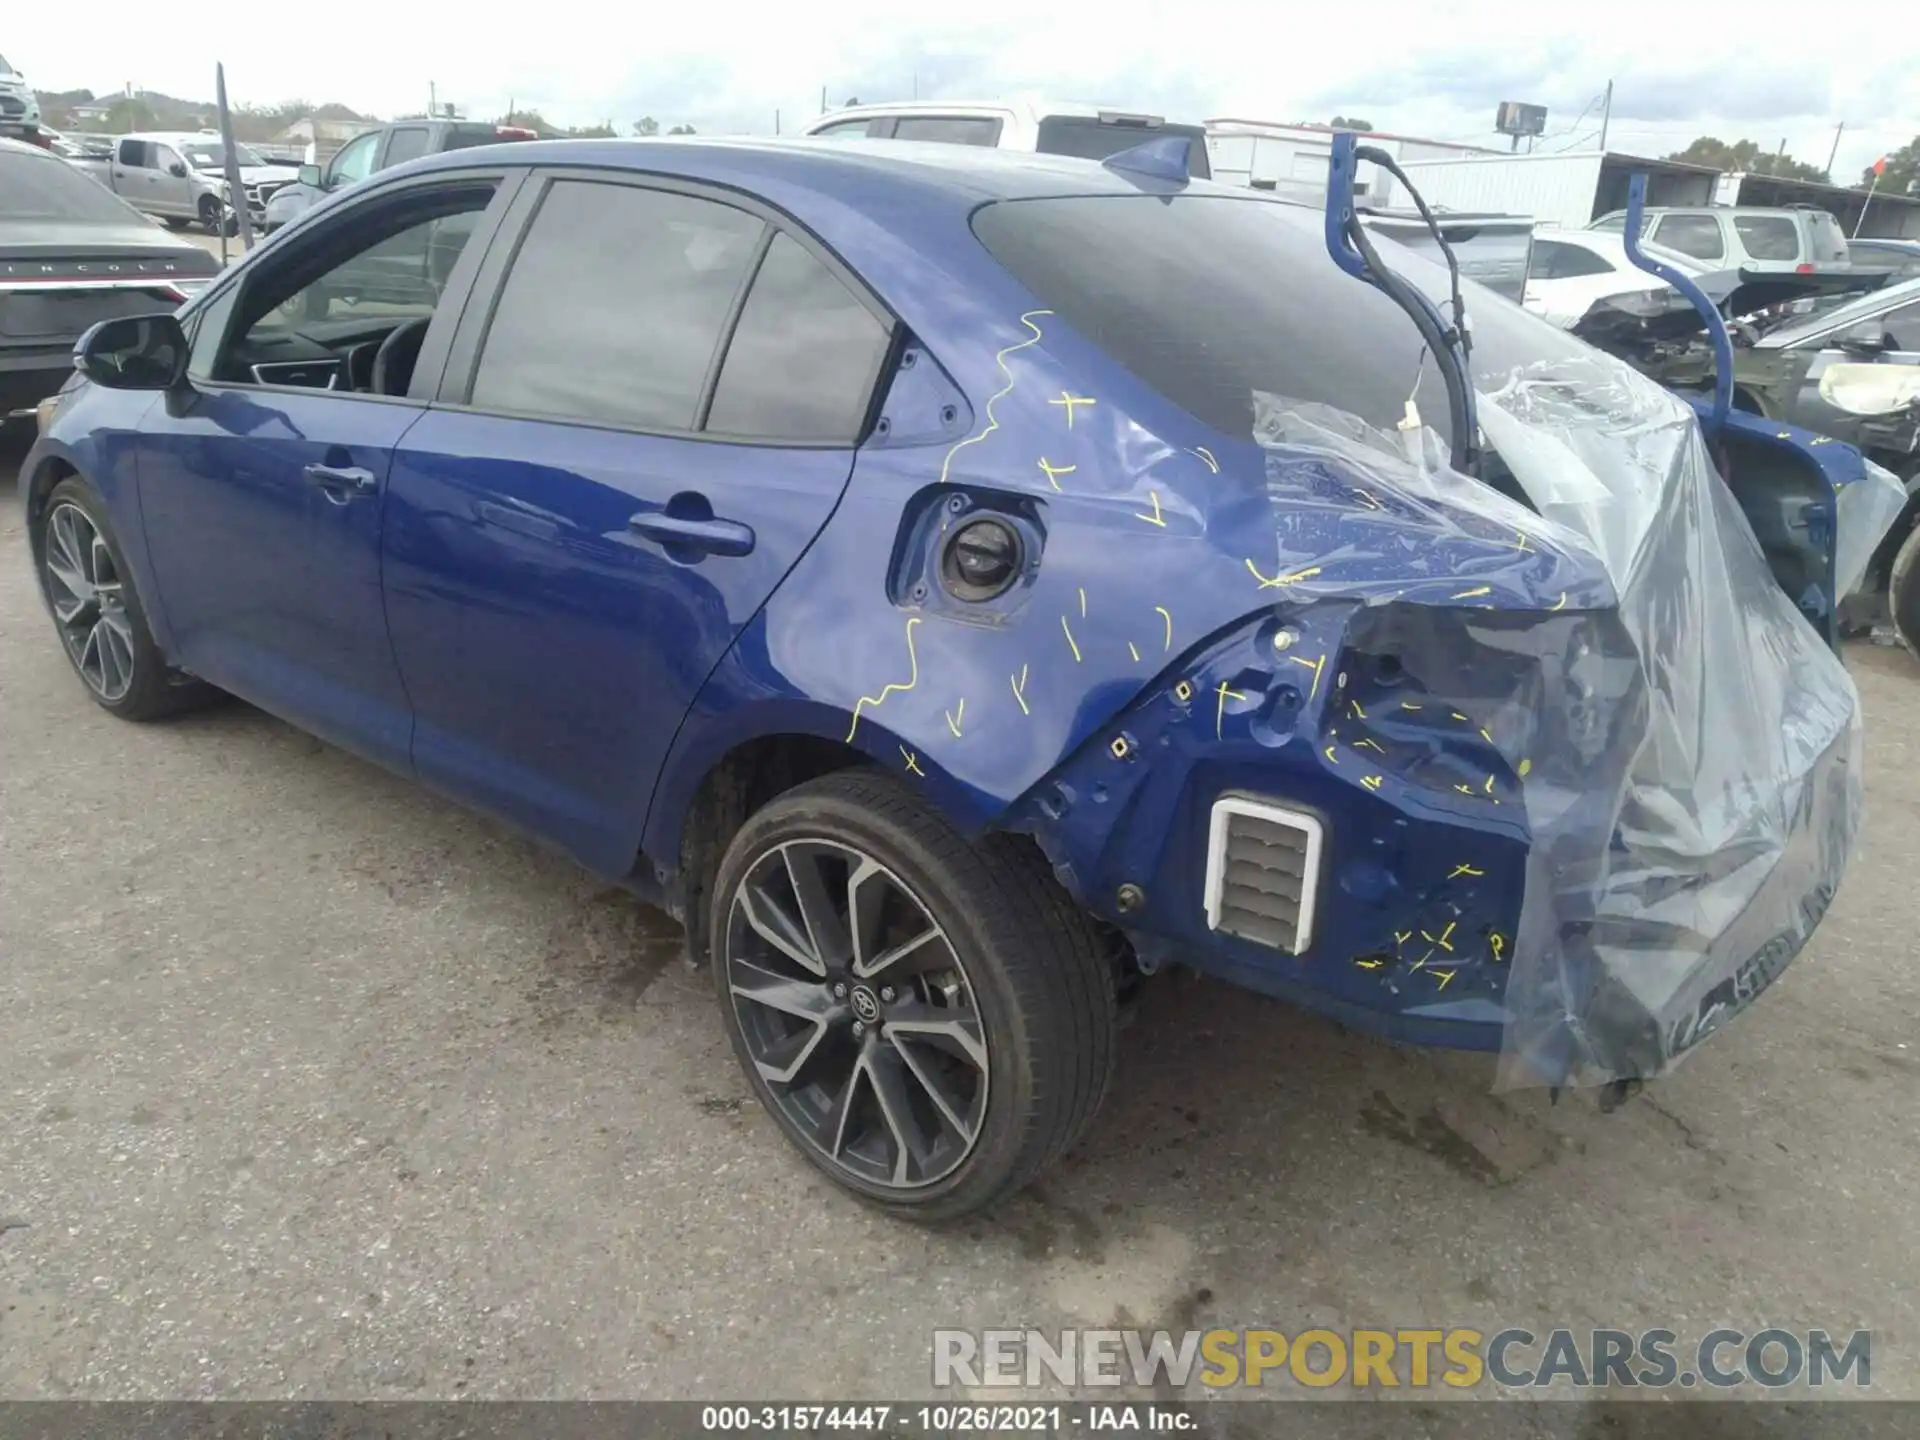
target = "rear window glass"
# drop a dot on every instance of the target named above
(463, 139)
(1210, 298)
(1093, 139)
(1768, 237)
(1695, 235)
(1829, 240)
(406, 144)
(36, 186)
(947, 129)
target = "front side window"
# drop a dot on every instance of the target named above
(165, 158)
(614, 306)
(1695, 235)
(1768, 237)
(406, 144)
(1546, 255)
(803, 358)
(318, 318)
(354, 162)
(134, 154)
(948, 129)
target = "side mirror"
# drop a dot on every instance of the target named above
(310, 175)
(1869, 337)
(177, 170)
(135, 352)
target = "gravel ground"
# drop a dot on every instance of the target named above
(316, 1085)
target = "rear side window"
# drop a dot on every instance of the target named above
(136, 154)
(1091, 138)
(407, 144)
(802, 362)
(1575, 261)
(948, 129)
(614, 306)
(1695, 235)
(1768, 237)
(845, 130)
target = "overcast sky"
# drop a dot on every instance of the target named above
(729, 69)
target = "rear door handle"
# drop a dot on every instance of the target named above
(714, 537)
(348, 480)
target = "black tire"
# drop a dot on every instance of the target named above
(1038, 979)
(174, 222)
(1903, 593)
(154, 689)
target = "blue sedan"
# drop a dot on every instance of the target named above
(955, 584)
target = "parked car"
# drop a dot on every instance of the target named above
(953, 583)
(382, 149)
(153, 174)
(71, 255)
(1034, 126)
(1746, 237)
(1900, 258)
(1573, 270)
(19, 106)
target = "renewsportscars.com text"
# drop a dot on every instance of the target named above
(1515, 1358)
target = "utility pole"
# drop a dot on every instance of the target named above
(1606, 116)
(823, 99)
(433, 101)
(1834, 153)
(776, 122)
(916, 84)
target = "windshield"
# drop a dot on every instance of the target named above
(1267, 311)
(1835, 317)
(5, 69)
(38, 186)
(211, 155)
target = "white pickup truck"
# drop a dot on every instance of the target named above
(181, 178)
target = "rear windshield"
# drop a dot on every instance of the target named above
(1211, 298)
(465, 137)
(1829, 240)
(1091, 138)
(36, 186)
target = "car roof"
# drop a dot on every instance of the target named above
(844, 170)
(1031, 107)
(1822, 322)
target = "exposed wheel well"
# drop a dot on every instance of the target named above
(1745, 399)
(38, 488)
(745, 779)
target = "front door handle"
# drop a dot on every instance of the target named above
(346, 480)
(710, 536)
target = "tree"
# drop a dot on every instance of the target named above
(646, 125)
(1903, 170)
(531, 120)
(127, 116)
(1747, 156)
(603, 131)
(1351, 122)
(681, 130)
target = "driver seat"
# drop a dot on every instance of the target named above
(393, 364)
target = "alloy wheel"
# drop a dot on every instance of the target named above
(857, 1013)
(89, 602)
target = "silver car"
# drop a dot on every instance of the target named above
(1798, 239)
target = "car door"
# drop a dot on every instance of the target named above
(135, 176)
(172, 181)
(352, 162)
(263, 489)
(651, 408)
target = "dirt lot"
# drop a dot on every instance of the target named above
(317, 1085)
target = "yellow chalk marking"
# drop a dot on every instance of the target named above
(1489, 784)
(1154, 518)
(1316, 666)
(1068, 401)
(1461, 718)
(1220, 710)
(1444, 976)
(954, 718)
(1020, 684)
(1370, 502)
(913, 679)
(1332, 759)
(1444, 934)
(1520, 543)
(993, 422)
(1499, 945)
(1133, 651)
(1525, 766)
(1372, 782)
(1206, 455)
(1358, 713)
(1294, 579)
(1471, 594)
(1368, 962)
(1369, 744)
(1083, 602)
(913, 762)
(1167, 616)
(1561, 603)
(1054, 470)
(1464, 789)
(1460, 870)
(1401, 937)
(1485, 736)
(1070, 640)
(1409, 705)
(1421, 962)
